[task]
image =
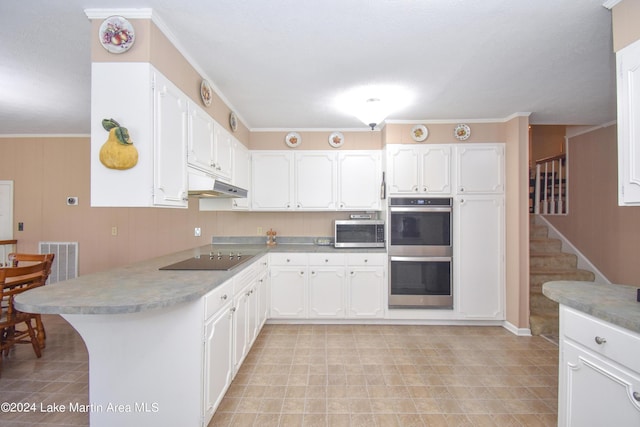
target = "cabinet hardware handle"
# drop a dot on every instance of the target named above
(224, 297)
(302, 273)
(353, 273)
(425, 189)
(366, 260)
(636, 396)
(600, 340)
(288, 260)
(461, 188)
(233, 309)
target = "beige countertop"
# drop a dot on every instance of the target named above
(142, 286)
(615, 304)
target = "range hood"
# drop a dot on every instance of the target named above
(208, 186)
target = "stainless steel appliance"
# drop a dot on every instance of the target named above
(358, 233)
(420, 252)
(211, 261)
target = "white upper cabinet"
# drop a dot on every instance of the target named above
(222, 152)
(315, 180)
(479, 168)
(210, 144)
(170, 125)
(423, 169)
(271, 180)
(628, 69)
(359, 180)
(155, 114)
(201, 136)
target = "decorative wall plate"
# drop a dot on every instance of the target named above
(233, 121)
(293, 139)
(116, 34)
(462, 132)
(336, 139)
(419, 133)
(206, 93)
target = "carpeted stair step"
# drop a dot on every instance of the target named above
(538, 231)
(537, 245)
(547, 324)
(552, 261)
(540, 304)
(538, 277)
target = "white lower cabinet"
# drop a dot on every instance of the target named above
(327, 286)
(234, 314)
(366, 285)
(218, 359)
(599, 382)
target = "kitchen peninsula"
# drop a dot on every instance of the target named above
(599, 370)
(164, 344)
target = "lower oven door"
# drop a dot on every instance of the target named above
(420, 282)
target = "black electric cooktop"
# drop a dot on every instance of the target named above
(217, 261)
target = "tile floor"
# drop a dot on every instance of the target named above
(334, 375)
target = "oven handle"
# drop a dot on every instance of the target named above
(421, 209)
(420, 258)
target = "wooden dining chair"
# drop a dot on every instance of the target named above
(13, 281)
(19, 259)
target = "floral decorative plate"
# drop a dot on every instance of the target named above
(206, 93)
(462, 132)
(233, 121)
(293, 139)
(419, 133)
(116, 34)
(336, 139)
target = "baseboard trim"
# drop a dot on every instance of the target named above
(521, 332)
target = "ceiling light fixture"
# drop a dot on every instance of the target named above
(372, 104)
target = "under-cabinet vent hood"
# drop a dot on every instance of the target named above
(207, 186)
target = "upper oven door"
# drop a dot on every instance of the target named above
(420, 229)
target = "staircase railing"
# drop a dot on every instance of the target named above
(550, 186)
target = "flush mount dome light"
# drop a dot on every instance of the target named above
(372, 105)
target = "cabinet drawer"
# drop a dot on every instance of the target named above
(618, 344)
(326, 259)
(365, 259)
(288, 258)
(217, 298)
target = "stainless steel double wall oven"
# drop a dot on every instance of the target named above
(420, 252)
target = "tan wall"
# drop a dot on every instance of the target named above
(547, 141)
(153, 46)
(625, 17)
(604, 232)
(47, 170)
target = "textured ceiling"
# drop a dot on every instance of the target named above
(282, 63)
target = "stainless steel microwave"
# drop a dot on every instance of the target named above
(359, 233)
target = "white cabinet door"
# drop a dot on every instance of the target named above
(241, 163)
(222, 152)
(597, 393)
(170, 124)
(479, 257)
(240, 327)
(263, 298)
(218, 362)
(365, 292)
(435, 169)
(628, 79)
(201, 131)
(326, 292)
(315, 180)
(288, 287)
(272, 180)
(480, 168)
(359, 180)
(403, 163)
